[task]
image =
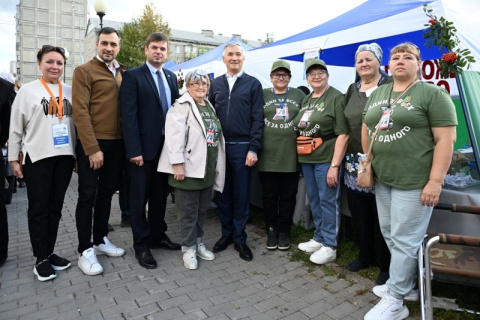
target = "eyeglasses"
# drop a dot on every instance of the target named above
(318, 74)
(281, 75)
(48, 48)
(199, 84)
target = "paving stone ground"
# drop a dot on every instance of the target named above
(269, 287)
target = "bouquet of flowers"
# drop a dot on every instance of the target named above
(180, 80)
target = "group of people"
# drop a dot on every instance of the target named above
(412, 126)
(209, 139)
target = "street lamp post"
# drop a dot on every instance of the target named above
(100, 7)
(67, 54)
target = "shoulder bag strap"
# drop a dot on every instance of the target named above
(374, 135)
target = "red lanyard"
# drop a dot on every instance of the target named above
(60, 97)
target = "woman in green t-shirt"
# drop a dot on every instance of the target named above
(411, 155)
(277, 160)
(194, 155)
(321, 116)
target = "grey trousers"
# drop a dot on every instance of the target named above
(192, 206)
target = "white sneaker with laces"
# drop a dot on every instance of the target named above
(310, 246)
(380, 291)
(324, 255)
(203, 253)
(190, 259)
(88, 263)
(388, 308)
(109, 249)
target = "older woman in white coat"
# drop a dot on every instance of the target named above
(194, 155)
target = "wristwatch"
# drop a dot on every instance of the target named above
(334, 165)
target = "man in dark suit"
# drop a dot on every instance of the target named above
(145, 96)
(7, 95)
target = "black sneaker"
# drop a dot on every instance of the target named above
(271, 238)
(383, 277)
(58, 263)
(44, 270)
(283, 241)
(357, 265)
(110, 228)
(125, 223)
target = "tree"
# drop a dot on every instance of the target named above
(135, 33)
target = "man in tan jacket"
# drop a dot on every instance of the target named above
(100, 149)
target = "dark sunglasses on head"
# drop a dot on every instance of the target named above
(48, 48)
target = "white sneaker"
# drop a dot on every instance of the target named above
(388, 308)
(310, 246)
(190, 259)
(108, 249)
(88, 263)
(380, 291)
(324, 255)
(203, 253)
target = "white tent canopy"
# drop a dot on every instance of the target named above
(373, 21)
(211, 61)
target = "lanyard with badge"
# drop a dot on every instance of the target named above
(60, 130)
(211, 130)
(386, 121)
(282, 112)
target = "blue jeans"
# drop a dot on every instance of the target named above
(324, 202)
(403, 221)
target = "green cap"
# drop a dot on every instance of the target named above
(316, 62)
(280, 64)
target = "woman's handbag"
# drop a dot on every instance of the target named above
(365, 176)
(306, 145)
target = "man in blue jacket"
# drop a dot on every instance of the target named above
(238, 101)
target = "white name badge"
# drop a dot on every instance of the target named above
(60, 136)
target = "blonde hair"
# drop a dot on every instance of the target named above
(406, 47)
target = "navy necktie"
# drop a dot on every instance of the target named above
(162, 92)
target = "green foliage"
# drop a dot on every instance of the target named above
(442, 33)
(200, 50)
(135, 33)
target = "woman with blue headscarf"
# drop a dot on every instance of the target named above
(361, 201)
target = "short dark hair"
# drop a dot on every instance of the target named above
(48, 48)
(107, 30)
(156, 37)
(304, 89)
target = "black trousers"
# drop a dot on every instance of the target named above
(279, 198)
(3, 215)
(47, 181)
(371, 244)
(95, 191)
(147, 185)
